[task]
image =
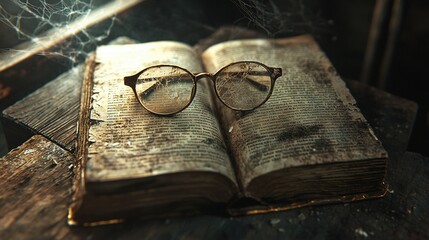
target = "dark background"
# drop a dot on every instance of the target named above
(340, 27)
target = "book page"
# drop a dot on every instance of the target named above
(311, 118)
(126, 141)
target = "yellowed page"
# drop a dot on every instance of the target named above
(126, 141)
(311, 118)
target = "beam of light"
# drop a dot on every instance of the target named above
(55, 36)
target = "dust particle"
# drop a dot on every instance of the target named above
(28, 151)
(301, 217)
(274, 221)
(361, 232)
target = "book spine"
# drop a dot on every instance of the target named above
(82, 140)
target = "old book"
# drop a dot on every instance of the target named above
(308, 144)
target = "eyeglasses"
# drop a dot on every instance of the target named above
(168, 89)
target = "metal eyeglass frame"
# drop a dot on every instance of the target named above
(273, 72)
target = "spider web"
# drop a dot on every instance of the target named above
(293, 17)
(31, 18)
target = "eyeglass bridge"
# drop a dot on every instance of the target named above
(203, 75)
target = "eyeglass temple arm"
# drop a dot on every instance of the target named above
(131, 80)
(276, 73)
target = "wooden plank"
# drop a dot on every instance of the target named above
(36, 180)
(392, 117)
(24, 65)
(19, 80)
(379, 17)
(55, 36)
(51, 111)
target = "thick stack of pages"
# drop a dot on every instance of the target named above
(308, 144)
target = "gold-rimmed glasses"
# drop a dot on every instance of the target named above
(168, 89)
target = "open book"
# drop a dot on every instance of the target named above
(308, 144)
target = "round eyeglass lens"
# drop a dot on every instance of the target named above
(165, 89)
(244, 85)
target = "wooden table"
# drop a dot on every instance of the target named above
(36, 180)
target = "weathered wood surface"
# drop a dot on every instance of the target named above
(391, 117)
(36, 180)
(35, 190)
(23, 69)
(51, 111)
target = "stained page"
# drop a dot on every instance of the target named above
(311, 118)
(126, 141)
